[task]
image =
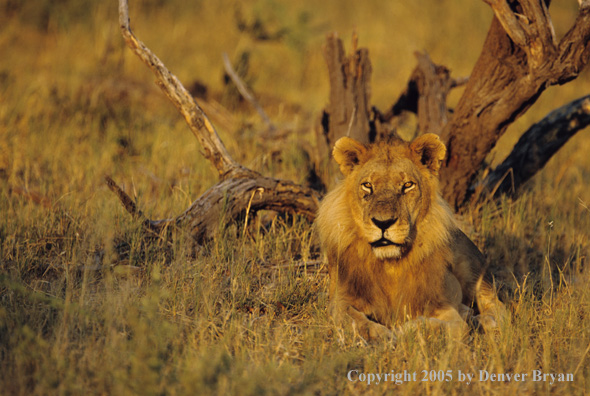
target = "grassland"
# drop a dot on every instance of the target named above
(90, 305)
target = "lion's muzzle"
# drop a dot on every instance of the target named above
(389, 236)
(384, 224)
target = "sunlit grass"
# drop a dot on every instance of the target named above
(89, 304)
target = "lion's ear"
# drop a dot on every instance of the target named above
(430, 151)
(347, 153)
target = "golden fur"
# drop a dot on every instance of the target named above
(395, 253)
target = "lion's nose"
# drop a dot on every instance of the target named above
(384, 224)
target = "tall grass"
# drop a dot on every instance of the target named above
(90, 304)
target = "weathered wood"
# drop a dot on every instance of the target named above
(512, 71)
(530, 28)
(228, 200)
(240, 192)
(348, 111)
(127, 202)
(535, 147)
(434, 84)
(520, 58)
(426, 95)
(233, 199)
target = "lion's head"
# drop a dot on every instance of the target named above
(390, 188)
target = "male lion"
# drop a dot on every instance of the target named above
(395, 253)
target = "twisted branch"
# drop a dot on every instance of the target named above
(240, 189)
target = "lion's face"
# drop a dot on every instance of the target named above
(390, 189)
(387, 203)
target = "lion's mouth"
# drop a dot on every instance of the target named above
(384, 242)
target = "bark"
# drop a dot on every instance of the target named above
(234, 199)
(426, 95)
(520, 58)
(347, 113)
(536, 146)
(240, 192)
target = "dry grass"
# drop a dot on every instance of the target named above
(90, 305)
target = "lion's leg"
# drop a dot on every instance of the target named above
(343, 313)
(451, 317)
(367, 328)
(491, 309)
(453, 321)
(446, 318)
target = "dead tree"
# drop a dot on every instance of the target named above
(349, 112)
(349, 94)
(240, 191)
(520, 58)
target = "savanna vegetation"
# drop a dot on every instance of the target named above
(90, 303)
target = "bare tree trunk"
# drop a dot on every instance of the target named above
(520, 58)
(350, 92)
(349, 113)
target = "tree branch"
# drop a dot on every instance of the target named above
(125, 199)
(241, 191)
(245, 92)
(529, 27)
(518, 62)
(536, 146)
(229, 199)
(574, 48)
(509, 21)
(196, 119)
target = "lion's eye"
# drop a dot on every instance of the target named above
(408, 186)
(367, 187)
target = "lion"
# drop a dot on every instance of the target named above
(396, 256)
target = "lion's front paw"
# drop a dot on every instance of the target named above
(373, 331)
